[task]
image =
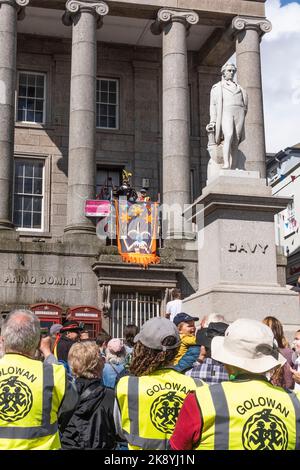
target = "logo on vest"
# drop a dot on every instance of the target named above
(15, 399)
(265, 431)
(164, 411)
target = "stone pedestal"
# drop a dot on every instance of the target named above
(237, 252)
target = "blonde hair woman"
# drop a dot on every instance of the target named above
(91, 425)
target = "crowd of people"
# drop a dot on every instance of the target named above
(168, 386)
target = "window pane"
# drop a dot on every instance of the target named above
(31, 80)
(28, 185)
(19, 185)
(38, 117)
(103, 121)
(30, 104)
(104, 85)
(38, 186)
(22, 103)
(29, 169)
(112, 122)
(27, 204)
(21, 115)
(31, 91)
(39, 105)
(27, 219)
(111, 110)
(104, 97)
(30, 116)
(22, 90)
(17, 218)
(113, 98)
(39, 92)
(103, 109)
(37, 218)
(37, 204)
(40, 79)
(38, 170)
(17, 203)
(112, 86)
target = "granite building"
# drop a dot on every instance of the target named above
(89, 88)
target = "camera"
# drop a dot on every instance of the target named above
(44, 332)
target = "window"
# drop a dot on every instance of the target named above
(31, 97)
(107, 104)
(107, 177)
(28, 194)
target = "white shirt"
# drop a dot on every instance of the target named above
(174, 307)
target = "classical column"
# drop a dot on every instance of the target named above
(248, 33)
(84, 16)
(10, 12)
(173, 24)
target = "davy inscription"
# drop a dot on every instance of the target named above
(248, 248)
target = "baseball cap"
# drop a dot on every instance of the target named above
(143, 190)
(183, 317)
(248, 344)
(205, 335)
(154, 331)
(115, 345)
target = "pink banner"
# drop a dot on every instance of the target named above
(97, 208)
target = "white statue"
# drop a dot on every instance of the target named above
(228, 108)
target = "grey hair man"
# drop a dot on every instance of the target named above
(33, 393)
(228, 108)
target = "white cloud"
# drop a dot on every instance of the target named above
(280, 55)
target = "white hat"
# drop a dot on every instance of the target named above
(249, 345)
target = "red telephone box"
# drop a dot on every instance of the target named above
(47, 313)
(90, 316)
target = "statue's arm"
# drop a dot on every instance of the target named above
(213, 106)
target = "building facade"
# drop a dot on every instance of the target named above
(283, 172)
(87, 89)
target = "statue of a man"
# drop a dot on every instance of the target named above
(228, 108)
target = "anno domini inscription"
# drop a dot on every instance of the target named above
(42, 280)
(248, 247)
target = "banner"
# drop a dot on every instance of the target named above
(137, 225)
(97, 208)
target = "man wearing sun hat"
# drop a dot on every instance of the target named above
(248, 412)
(148, 401)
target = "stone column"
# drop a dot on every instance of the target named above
(10, 12)
(248, 33)
(176, 139)
(84, 16)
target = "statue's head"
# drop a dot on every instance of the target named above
(228, 71)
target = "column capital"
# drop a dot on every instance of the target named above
(18, 4)
(261, 25)
(167, 15)
(75, 7)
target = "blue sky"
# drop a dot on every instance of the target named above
(280, 57)
(285, 2)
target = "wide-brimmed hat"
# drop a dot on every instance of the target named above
(248, 344)
(154, 331)
(205, 335)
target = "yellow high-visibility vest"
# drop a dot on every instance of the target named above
(149, 406)
(30, 395)
(249, 415)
